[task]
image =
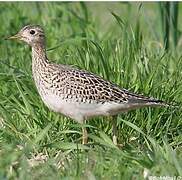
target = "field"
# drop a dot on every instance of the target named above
(123, 43)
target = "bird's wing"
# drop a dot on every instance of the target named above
(90, 87)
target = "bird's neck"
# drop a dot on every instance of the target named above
(39, 57)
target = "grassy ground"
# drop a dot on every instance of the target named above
(122, 42)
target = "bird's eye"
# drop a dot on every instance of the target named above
(32, 32)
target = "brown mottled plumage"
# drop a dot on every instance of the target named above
(76, 93)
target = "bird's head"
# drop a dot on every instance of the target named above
(31, 34)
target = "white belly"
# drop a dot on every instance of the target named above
(80, 111)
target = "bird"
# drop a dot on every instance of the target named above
(77, 93)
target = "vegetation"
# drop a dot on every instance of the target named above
(122, 42)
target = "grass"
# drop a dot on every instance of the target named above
(122, 42)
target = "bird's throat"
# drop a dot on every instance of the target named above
(39, 57)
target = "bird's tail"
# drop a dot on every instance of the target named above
(148, 101)
(157, 102)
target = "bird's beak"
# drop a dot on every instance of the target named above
(16, 36)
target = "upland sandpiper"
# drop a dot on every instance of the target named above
(77, 93)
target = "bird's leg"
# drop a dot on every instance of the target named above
(114, 130)
(84, 134)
